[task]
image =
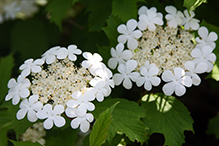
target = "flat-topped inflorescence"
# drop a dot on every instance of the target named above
(170, 52)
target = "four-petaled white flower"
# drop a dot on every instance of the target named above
(30, 65)
(98, 88)
(52, 115)
(29, 107)
(126, 74)
(177, 81)
(82, 102)
(93, 62)
(192, 70)
(83, 122)
(205, 38)
(129, 34)
(62, 53)
(119, 56)
(174, 17)
(50, 55)
(106, 75)
(149, 78)
(144, 9)
(204, 55)
(149, 20)
(189, 21)
(18, 89)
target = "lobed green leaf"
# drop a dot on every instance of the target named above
(100, 131)
(168, 116)
(126, 119)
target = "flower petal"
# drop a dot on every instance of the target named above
(31, 116)
(167, 76)
(59, 121)
(131, 25)
(203, 32)
(48, 123)
(58, 109)
(131, 65)
(169, 88)
(118, 78)
(84, 127)
(21, 113)
(196, 79)
(81, 110)
(127, 83)
(180, 90)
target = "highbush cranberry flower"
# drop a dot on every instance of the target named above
(129, 34)
(18, 89)
(29, 107)
(205, 38)
(51, 116)
(119, 56)
(50, 55)
(70, 52)
(189, 22)
(174, 17)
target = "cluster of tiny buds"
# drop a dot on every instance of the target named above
(170, 52)
(57, 85)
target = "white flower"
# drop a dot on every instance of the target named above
(189, 21)
(29, 107)
(18, 89)
(144, 9)
(106, 75)
(149, 78)
(119, 56)
(177, 81)
(149, 20)
(11, 9)
(174, 17)
(83, 122)
(93, 62)
(205, 38)
(53, 116)
(30, 65)
(82, 102)
(50, 55)
(98, 88)
(28, 7)
(193, 69)
(129, 34)
(62, 53)
(204, 55)
(148, 65)
(126, 74)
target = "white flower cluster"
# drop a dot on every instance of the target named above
(34, 133)
(12, 9)
(57, 85)
(156, 52)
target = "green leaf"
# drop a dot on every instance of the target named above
(20, 126)
(6, 65)
(111, 29)
(29, 39)
(213, 126)
(59, 137)
(168, 116)
(191, 5)
(99, 11)
(126, 119)
(26, 143)
(57, 10)
(99, 133)
(125, 9)
(3, 136)
(215, 72)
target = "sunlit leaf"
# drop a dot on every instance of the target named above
(126, 119)
(191, 5)
(100, 132)
(168, 116)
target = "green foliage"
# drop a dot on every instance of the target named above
(213, 127)
(125, 9)
(26, 143)
(32, 32)
(61, 136)
(126, 119)
(191, 5)
(100, 133)
(57, 10)
(6, 65)
(99, 11)
(168, 116)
